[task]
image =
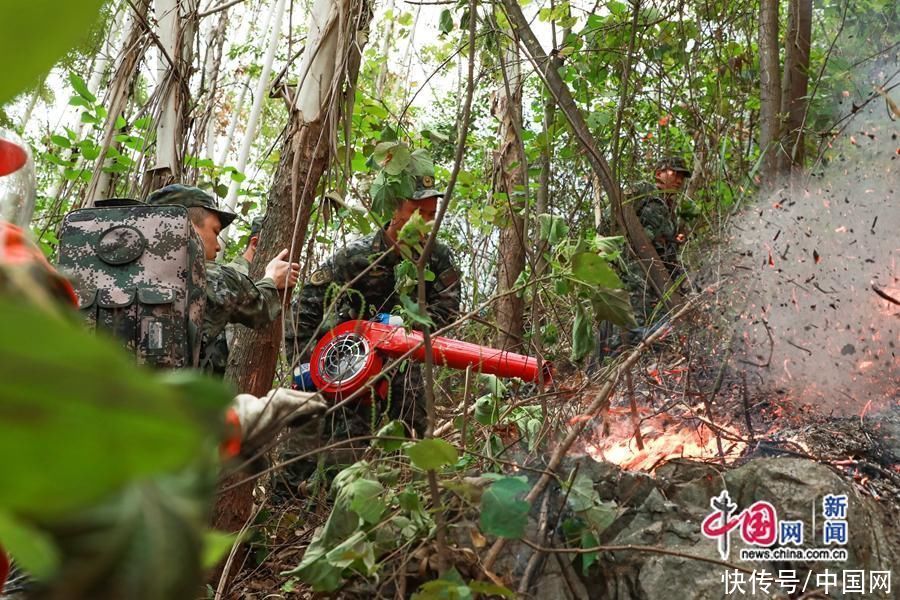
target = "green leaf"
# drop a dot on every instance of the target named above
(432, 454)
(355, 551)
(420, 163)
(392, 429)
(81, 87)
(32, 548)
(79, 101)
(90, 151)
(412, 311)
(61, 141)
(80, 419)
(553, 229)
(588, 541)
(591, 268)
(450, 586)
(316, 571)
(445, 23)
(503, 513)
(388, 134)
(613, 306)
(487, 410)
(35, 34)
(216, 544)
(490, 589)
(395, 158)
(582, 494)
(601, 516)
(582, 333)
(365, 499)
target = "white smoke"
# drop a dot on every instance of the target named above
(814, 268)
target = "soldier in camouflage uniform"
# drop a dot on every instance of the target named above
(111, 547)
(366, 269)
(231, 297)
(656, 206)
(242, 261)
(216, 355)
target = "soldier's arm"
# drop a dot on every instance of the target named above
(657, 222)
(240, 264)
(233, 298)
(306, 316)
(444, 295)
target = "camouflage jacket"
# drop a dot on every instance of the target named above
(658, 216)
(231, 297)
(369, 263)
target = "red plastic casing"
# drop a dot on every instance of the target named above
(389, 341)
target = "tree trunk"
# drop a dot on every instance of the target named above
(116, 99)
(177, 25)
(205, 124)
(637, 237)
(388, 33)
(769, 91)
(509, 181)
(329, 66)
(795, 83)
(262, 90)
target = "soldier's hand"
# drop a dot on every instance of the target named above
(284, 274)
(261, 419)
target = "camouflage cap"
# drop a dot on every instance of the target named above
(256, 226)
(190, 197)
(425, 188)
(676, 163)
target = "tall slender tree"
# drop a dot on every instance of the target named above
(640, 244)
(329, 66)
(262, 88)
(509, 185)
(116, 99)
(769, 90)
(795, 83)
(177, 26)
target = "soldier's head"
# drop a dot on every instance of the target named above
(205, 216)
(671, 171)
(424, 199)
(253, 241)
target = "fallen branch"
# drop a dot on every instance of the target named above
(578, 428)
(885, 295)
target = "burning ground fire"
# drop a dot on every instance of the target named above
(664, 438)
(665, 434)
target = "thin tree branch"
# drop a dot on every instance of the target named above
(578, 428)
(221, 7)
(646, 255)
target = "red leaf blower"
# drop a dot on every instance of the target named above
(353, 353)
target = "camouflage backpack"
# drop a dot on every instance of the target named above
(139, 273)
